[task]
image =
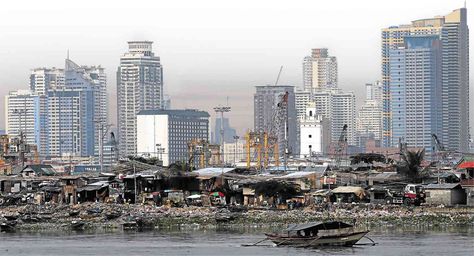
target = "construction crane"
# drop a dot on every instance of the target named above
(254, 141)
(341, 145)
(198, 147)
(273, 134)
(266, 143)
(439, 150)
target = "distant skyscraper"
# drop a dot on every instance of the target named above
(24, 114)
(415, 91)
(166, 101)
(333, 104)
(266, 100)
(319, 70)
(454, 37)
(343, 113)
(74, 109)
(302, 99)
(373, 91)
(77, 110)
(44, 79)
(229, 132)
(139, 87)
(369, 117)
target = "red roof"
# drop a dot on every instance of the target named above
(466, 165)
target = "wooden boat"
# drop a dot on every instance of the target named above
(317, 234)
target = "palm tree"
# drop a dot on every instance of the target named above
(410, 164)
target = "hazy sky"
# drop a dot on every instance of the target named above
(209, 49)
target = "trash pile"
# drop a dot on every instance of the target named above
(113, 216)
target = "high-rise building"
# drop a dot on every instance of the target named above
(453, 34)
(302, 99)
(75, 109)
(314, 133)
(44, 79)
(166, 101)
(339, 108)
(343, 113)
(373, 91)
(333, 104)
(139, 87)
(415, 91)
(319, 70)
(165, 134)
(24, 114)
(229, 132)
(369, 116)
(266, 100)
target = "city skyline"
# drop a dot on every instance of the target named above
(204, 74)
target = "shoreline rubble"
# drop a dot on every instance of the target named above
(113, 216)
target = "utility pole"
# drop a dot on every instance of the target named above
(135, 181)
(101, 141)
(222, 110)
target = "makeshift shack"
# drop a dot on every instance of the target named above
(448, 194)
(305, 180)
(37, 170)
(348, 194)
(94, 192)
(69, 189)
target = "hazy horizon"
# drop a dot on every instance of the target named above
(210, 50)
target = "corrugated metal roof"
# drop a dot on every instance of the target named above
(297, 175)
(212, 172)
(442, 186)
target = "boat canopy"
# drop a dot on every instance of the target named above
(318, 225)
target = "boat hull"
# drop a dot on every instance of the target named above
(342, 240)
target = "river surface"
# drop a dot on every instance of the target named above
(229, 241)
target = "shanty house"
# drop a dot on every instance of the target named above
(348, 194)
(447, 194)
(143, 182)
(211, 178)
(305, 180)
(97, 191)
(70, 185)
(37, 170)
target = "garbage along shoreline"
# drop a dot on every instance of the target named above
(104, 216)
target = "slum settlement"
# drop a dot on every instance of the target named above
(139, 194)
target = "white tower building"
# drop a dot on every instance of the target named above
(139, 87)
(314, 133)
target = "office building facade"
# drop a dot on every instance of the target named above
(165, 134)
(319, 70)
(453, 34)
(139, 87)
(266, 100)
